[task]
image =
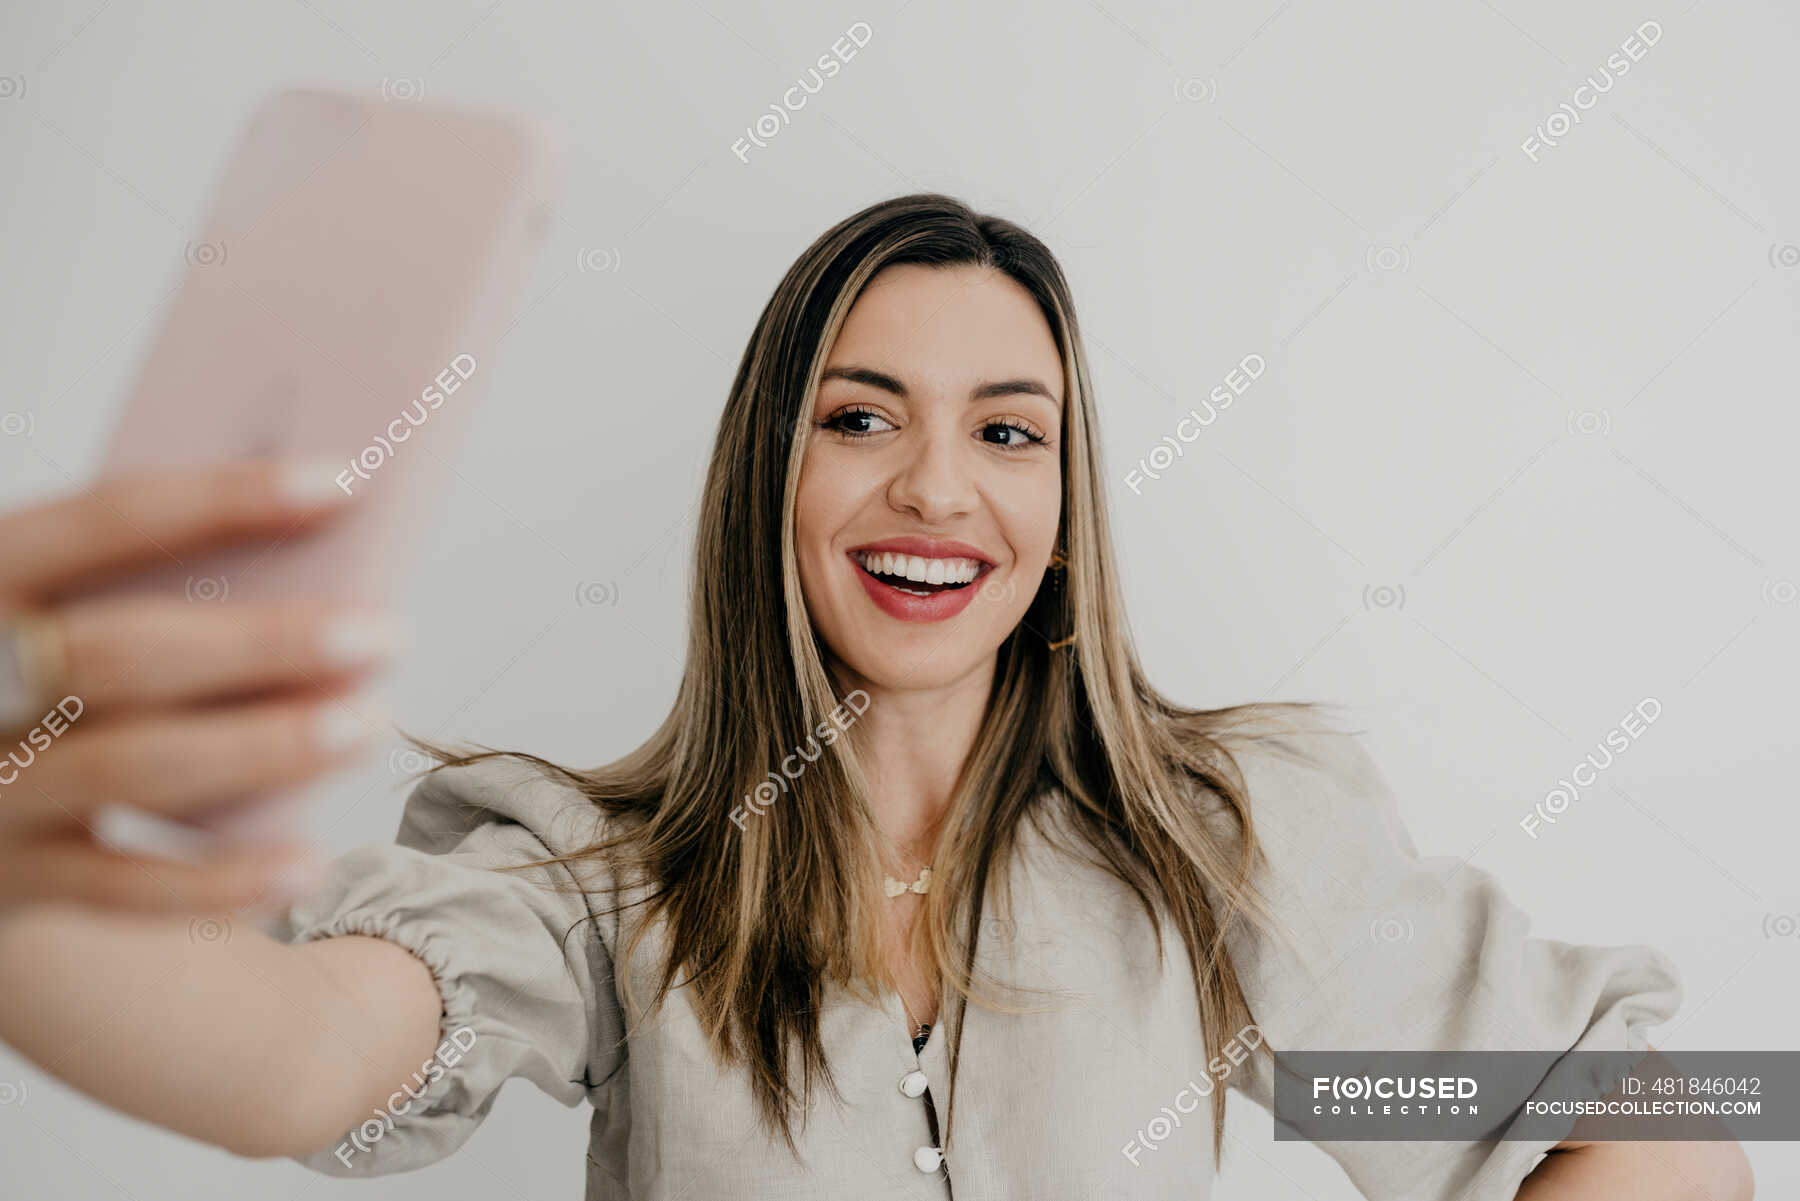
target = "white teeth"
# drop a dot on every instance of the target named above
(920, 570)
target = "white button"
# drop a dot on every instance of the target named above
(913, 1083)
(927, 1159)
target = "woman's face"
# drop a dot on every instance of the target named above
(931, 491)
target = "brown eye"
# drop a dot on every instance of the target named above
(850, 422)
(1025, 435)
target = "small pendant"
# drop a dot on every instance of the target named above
(921, 886)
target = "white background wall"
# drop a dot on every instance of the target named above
(1522, 456)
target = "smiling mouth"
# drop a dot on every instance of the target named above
(916, 576)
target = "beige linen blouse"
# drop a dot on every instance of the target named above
(1393, 952)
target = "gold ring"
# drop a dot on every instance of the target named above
(34, 667)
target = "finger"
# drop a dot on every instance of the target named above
(157, 517)
(185, 761)
(70, 866)
(146, 651)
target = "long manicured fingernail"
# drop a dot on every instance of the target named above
(360, 637)
(316, 481)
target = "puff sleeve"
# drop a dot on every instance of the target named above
(525, 977)
(1392, 951)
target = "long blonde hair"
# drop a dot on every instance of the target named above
(764, 915)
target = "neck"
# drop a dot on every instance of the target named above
(913, 743)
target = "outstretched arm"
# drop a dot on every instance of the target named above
(256, 1046)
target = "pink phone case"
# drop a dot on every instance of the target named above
(361, 262)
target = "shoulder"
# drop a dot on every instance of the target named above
(1309, 774)
(449, 804)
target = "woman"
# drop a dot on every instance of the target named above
(921, 887)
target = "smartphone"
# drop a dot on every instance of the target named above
(344, 301)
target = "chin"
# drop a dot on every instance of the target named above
(915, 662)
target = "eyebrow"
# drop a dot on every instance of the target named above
(1022, 386)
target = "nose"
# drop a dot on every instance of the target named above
(935, 481)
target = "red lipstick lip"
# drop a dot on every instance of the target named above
(938, 606)
(925, 548)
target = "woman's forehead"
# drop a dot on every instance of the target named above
(948, 328)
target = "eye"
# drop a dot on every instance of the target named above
(854, 422)
(839, 422)
(1010, 426)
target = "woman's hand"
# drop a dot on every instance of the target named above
(179, 707)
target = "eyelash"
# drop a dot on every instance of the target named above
(831, 423)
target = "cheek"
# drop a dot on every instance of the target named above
(1030, 512)
(809, 552)
(822, 507)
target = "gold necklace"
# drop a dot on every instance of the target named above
(894, 887)
(918, 1027)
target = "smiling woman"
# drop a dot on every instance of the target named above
(936, 539)
(1100, 896)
